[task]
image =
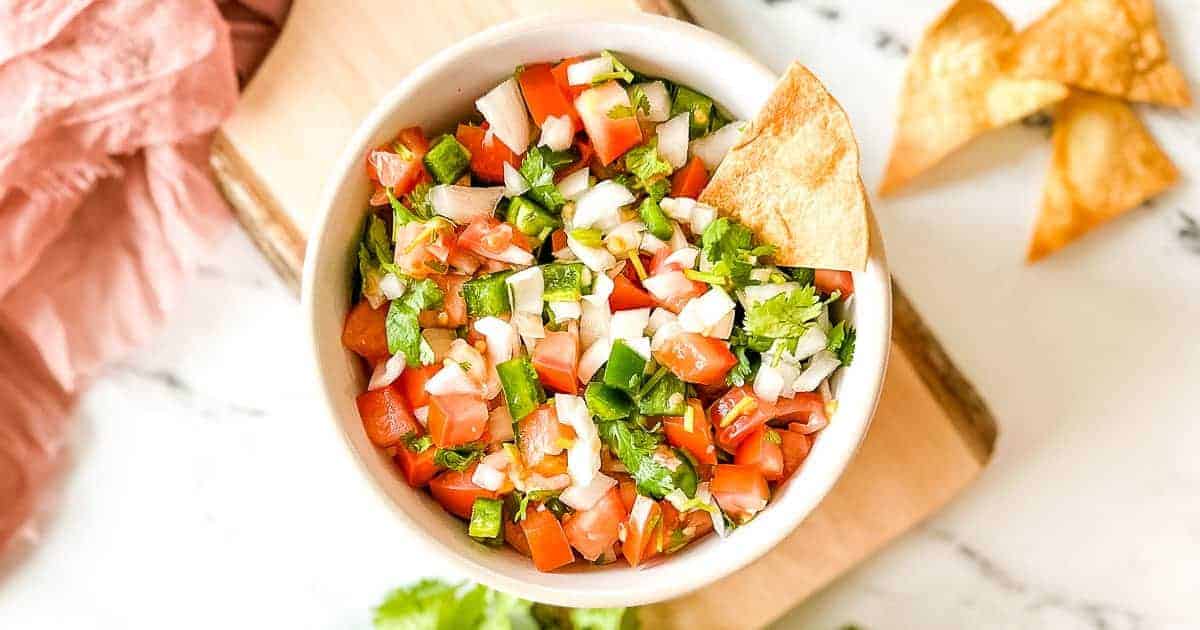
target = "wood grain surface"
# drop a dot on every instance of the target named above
(932, 433)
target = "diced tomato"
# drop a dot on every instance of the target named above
(741, 491)
(422, 249)
(547, 542)
(559, 71)
(540, 434)
(515, 537)
(500, 424)
(698, 442)
(642, 531)
(489, 237)
(544, 96)
(455, 419)
(551, 465)
(626, 295)
(488, 153)
(593, 531)
(611, 137)
(418, 468)
(365, 331)
(453, 311)
(695, 358)
(411, 166)
(628, 488)
(558, 239)
(556, 359)
(385, 415)
(731, 433)
(829, 280)
(690, 180)
(456, 492)
(795, 448)
(760, 452)
(413, 379)
(674, 289)
(680, 529)
(631, 274)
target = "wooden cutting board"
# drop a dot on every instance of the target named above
(931, 435)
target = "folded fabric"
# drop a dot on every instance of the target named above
(106, 202)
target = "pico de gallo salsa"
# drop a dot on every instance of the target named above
(569, 351)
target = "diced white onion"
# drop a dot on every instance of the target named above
(422, 415)
(597, 259)
(488, 478)
(514, 255)
(822, 365)
(705, 495)
(564, 311)
(812, 341)
(596, 318)
(630, 323)
(515, 184)
(526, 288)
(678, 208)
(574, 185)
(761, 274)
(595, 356)
(583, 456)
(640, 345)
(451, 379)
(558, 132)
(684, 257)
(678, 239)
(711, 149)
(652, 244)
(582, 72)
(673, 140)
(625, 238)
(724, 328)
(501, 338)
(664, 334)
(600, 206)
(504, 110)
(391, 286)
(702, 215)
(769, 383)
(386, 372)
(529, 326)
(388, 166)
(463, 204)
(702, 314)
(663, 286)
(759, 293)
(586, 497)
(603, 286)
(659, 317)
(659, 100)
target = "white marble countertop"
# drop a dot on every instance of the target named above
(208, 490)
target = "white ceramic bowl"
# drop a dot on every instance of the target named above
(436, 96)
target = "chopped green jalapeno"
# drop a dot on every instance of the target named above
(563, 282)
(588, 237)
(607, 403)
(522, 390)
(625, 367)
(668, 397)
(485, 518)
(487, 295)
(447, 160)
(698, 105)
(655, 219)
(531, 220)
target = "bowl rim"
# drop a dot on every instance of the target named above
(443, 62)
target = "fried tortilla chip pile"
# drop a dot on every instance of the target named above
(972, 73)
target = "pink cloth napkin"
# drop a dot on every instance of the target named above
(106, 201)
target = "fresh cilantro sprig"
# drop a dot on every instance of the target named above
(730, 247)
(787, 315)
(620, 71)
(403, 325)
(458, 458)
(841, 342)
(538, 169)
(646, 164)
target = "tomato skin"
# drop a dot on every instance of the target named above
(680, 529)
(593, 531)
(828, 280)
(759, 452)
(515, 537)
(418, 468)
(453, 311)
(540, 434)
(455, 419)
(365, 331)
(628, 489)
(690, 180)
(799, 407)
(642, 531)
(547, 542)
(556, 359)
(489, 236)
(795, 447)
(488, 155)
(695, 358)
(414, 140)
(385, 415)
(413, 379)
(544, 96)
(420, 253)
(455, 491)
(741, 491)
(699, 441)
(610, 137)
(627, 295)
(559, 72)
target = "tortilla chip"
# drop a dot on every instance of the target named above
(954, 89)
(1104, 163)
(1107, 46)
(793, 178)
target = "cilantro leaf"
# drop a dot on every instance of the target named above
(730, 247)
(402, 214)
(458, 458)
(433, 604)
(803, 275)
(643, 455)
(638, 100)
(538, 169)
(841, 342)
(418, 198)
(620, 70)
(427, 605)
(403, 326)
(646, 164)
(620, 111)
(786, 315)
(417, 444)
(375, 259)
(743, 371)
(604, 619)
